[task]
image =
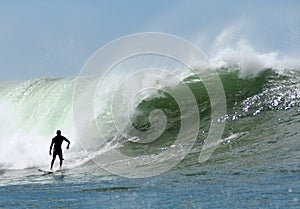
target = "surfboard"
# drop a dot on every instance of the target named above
(49, 171)
(45, 172)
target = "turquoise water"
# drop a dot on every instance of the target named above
(255, 164)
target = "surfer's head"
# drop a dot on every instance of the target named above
(58, 132)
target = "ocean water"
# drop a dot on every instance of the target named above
(254, 164)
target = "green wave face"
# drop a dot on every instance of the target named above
(261, 111)
(250, 101)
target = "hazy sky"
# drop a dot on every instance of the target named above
(55, 38)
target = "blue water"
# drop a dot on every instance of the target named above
(190, 188)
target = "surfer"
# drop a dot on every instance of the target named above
(57, 141)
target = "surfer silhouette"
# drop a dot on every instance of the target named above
(57, 141)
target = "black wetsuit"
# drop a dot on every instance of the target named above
(57, 141)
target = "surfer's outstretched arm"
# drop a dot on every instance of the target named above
(68, 142)
(51, 148)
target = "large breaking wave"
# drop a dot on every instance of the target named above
(31, 111)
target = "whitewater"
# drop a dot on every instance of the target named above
(255, 163)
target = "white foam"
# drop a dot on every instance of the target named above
(233, 48)
(249, 61)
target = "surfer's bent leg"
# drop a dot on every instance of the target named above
(61, 159)
(52, 162)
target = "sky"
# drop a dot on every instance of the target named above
(41, 39)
